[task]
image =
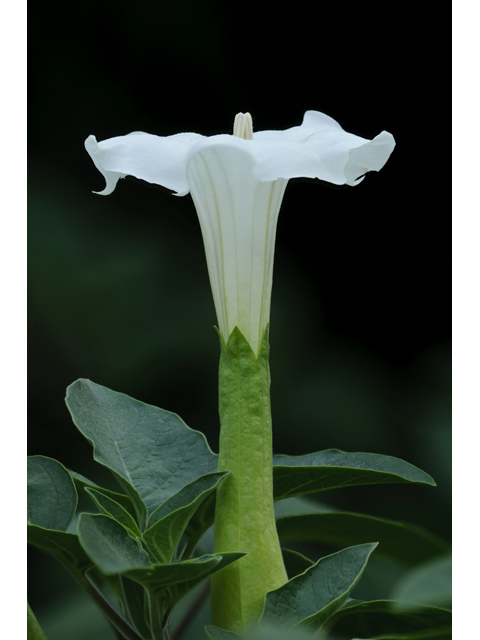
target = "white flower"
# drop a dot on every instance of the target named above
(237, 184)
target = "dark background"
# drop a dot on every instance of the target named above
(119, 290)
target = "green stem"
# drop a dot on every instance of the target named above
(155, 619)
(192, 610)
(113, 617)
(244, 519)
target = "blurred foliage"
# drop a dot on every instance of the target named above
(119, 291)
(76, 617)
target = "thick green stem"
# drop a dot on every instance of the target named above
(244, 519)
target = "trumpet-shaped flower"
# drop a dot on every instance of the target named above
(237, 183)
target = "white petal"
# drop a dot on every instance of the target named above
(156, 159)
(313, 122)
(111, 178)
(317, 121)
(326, 152)
(371, 156)
(270, 158)
(283, 158)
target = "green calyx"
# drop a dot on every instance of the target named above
(244, 518)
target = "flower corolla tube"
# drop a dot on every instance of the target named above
(237, 184)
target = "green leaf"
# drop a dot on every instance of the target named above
(188, 495)
(295, 563)
(332, 469)
(265, 633)
(381, 619)
(309, 599)
(114, 510)
(167, 523)
(186, 573)
(108, 588)
(273, 632)
(108, 595)
(123, 500)
(64, 546)
(299, 506)
(114, 551)
(220, 634)
(405, 543)
(150, 451)
(51, 494)
(52, 502)
(429, 583)
(109, 545)
(225, 559)
(421, 635)
(202, 519)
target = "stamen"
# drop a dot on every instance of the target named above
(243, 126)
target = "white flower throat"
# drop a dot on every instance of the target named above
(238, 217)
